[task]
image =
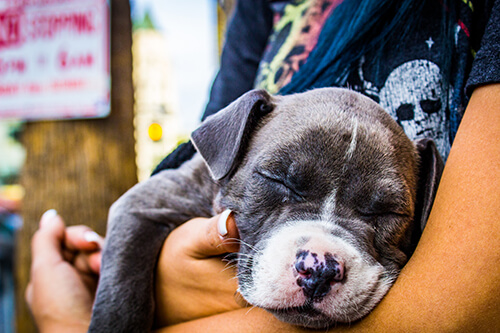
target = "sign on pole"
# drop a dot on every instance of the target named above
(54, 59)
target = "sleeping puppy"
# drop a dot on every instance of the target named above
(328, 194)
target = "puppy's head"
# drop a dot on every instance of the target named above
(324, 188)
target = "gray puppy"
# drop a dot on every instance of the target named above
(329, 197)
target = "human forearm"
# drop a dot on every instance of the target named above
(451, 283)
(249, 320)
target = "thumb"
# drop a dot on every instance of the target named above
(220, 236)
(46, 244)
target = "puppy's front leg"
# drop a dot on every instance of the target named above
(138, 224)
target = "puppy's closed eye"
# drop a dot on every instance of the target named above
(282, 184)
(373, 214)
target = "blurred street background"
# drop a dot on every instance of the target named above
(93, 95)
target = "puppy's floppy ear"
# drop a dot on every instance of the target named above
(221, 137)
(431, 168)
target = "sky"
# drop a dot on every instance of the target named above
(190, 27)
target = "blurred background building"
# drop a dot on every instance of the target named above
(157, 126)
(175, 58)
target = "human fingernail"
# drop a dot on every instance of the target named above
(93, 237)
(48, 217)
(222, 223)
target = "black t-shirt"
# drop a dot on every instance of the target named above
(409, 83)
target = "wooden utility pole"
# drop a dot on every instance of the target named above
(79, 167)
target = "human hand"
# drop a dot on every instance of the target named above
(64, 272)
(192, 279)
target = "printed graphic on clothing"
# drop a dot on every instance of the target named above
(295, 34)
(414, 95)
(421, 85)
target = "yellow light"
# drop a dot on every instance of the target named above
(155, 132)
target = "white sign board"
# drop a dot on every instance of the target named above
(54, 59)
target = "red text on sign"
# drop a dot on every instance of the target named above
(12, 66)
(50, 25)
(67, 61)
(10, 28)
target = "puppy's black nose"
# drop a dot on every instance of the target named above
(316, 275)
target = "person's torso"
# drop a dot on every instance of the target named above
(410, 83)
